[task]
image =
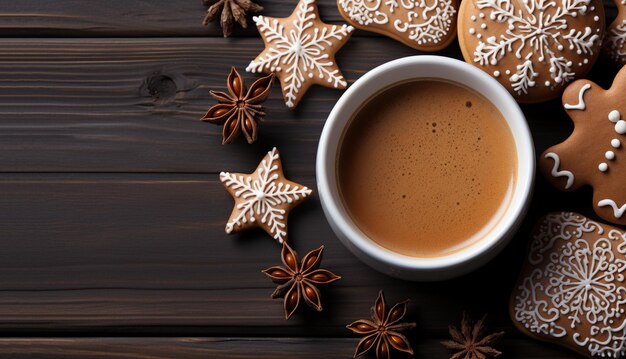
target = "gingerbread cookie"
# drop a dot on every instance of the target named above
(615, 39)
(423, 25)
(572, 288)
(594, 153)
(532, 47)
(263, 198)
(301, 49)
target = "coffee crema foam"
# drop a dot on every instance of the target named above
(427, 167)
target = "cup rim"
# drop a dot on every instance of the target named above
(328, 148)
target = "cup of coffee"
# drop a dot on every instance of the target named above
(425, 168)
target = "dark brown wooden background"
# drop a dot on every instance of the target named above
(111, 212)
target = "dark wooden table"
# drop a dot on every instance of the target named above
(112, 215)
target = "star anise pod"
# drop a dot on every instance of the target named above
(298, 280)
(382, 332)
(230, 11)
(239, 110)
(470, 342)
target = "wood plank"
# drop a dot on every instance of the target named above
(140, 254)
(46, 18)
(132, 105)
(236, 348)
(107, 105)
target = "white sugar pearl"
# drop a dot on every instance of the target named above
(620, 127)
(615, 143)
(610, 155)
(614, 116)
(603, 167)
(496, 73)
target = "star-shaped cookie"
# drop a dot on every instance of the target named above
(301, 49)
(615, 39)
(263, 198)
(594, 153)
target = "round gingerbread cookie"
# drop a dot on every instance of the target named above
(615, 39)
(425, 25)
(532, 47)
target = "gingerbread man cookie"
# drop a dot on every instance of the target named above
(423, 25)
(594, 153)
(300, 50)
(615, 39)
(572, 287)
(532, 47)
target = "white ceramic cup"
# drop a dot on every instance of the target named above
(383, 259)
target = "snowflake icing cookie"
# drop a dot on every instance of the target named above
(532, 47)
(599, 118)
(615, 39)
(263, 198)
(301, 49)
(426, 25)
(572, 288)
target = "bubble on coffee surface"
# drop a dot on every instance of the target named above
(441, 160)
(417, 167)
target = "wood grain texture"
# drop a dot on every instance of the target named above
(54, 18)
(232, 348)
(133, 105)
(111, 214)
(132, 254)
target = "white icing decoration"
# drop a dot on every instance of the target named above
(581, 100)
(301, 52)
(562, 173)
(472, 31)
(496, 73)
(609, 155)
(535, 30)
(617, 212)
(615, 43)
(620, 127)
(576, 288)
(425, 22)
(262, 195)
(614, 116)
(615, 143)
(603, 167)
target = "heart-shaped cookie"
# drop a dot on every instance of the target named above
(426, 25)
